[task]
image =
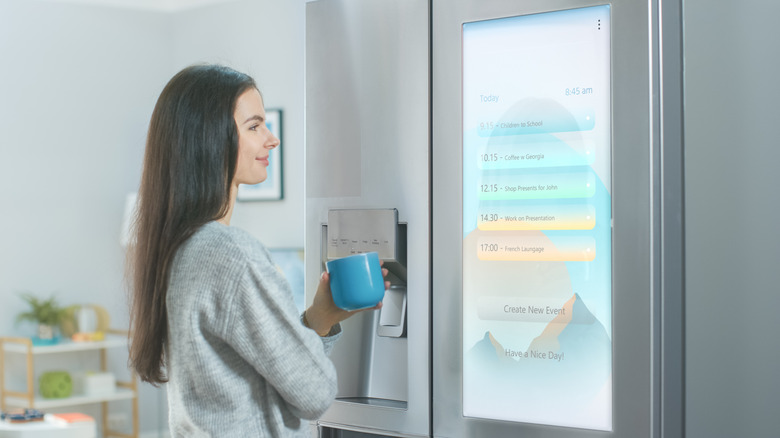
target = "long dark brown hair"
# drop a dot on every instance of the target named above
(189, 164)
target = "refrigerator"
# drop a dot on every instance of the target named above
(518, 167)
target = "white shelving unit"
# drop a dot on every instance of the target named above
(66, 346)
(27, 399)
(49, 403)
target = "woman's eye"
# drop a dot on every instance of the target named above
(254, 127)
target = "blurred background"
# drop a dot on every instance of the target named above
(78, 82)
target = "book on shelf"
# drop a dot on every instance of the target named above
(21, 416)
(70, 417)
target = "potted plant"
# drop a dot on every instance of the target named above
(47, 314)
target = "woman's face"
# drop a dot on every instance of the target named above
(255, 141)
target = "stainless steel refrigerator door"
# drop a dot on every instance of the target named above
(368, 147)
(636, 235)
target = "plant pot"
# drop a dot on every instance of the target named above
(46, 335)
(45, 332)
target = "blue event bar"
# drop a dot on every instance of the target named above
(579, 120)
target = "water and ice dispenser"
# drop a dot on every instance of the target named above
(377, 230)
(372, 355)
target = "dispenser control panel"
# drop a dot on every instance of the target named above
(537, 236)
(356, 231)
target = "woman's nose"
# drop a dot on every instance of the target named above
(274, 142)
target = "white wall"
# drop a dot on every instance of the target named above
(77, 87)
(265, 39)
(732, 60)
(78, 84)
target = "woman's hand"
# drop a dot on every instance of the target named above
(324, 314)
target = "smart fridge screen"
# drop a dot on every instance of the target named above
(537, 239)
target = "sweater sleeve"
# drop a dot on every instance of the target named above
(264, 328)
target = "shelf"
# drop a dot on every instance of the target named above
(68, 346)
(48, 403)
(23, 399)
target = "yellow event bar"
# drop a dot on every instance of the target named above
(537, 217)
(536, 248)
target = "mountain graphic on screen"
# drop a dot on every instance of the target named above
(573, 349)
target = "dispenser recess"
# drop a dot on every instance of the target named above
(356, 231)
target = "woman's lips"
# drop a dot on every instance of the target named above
(263, 160)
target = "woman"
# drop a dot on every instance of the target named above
(211, 315)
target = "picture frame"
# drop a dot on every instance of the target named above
(271, 188)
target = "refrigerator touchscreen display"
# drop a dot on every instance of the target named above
(537, 234)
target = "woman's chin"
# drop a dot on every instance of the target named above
(254, 181)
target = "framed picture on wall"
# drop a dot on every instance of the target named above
(271, 188)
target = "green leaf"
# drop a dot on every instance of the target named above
(42, 311)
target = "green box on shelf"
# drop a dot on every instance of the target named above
(56, 384)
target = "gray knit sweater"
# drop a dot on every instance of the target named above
(239, 361)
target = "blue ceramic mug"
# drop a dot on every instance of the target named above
(356, 281)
